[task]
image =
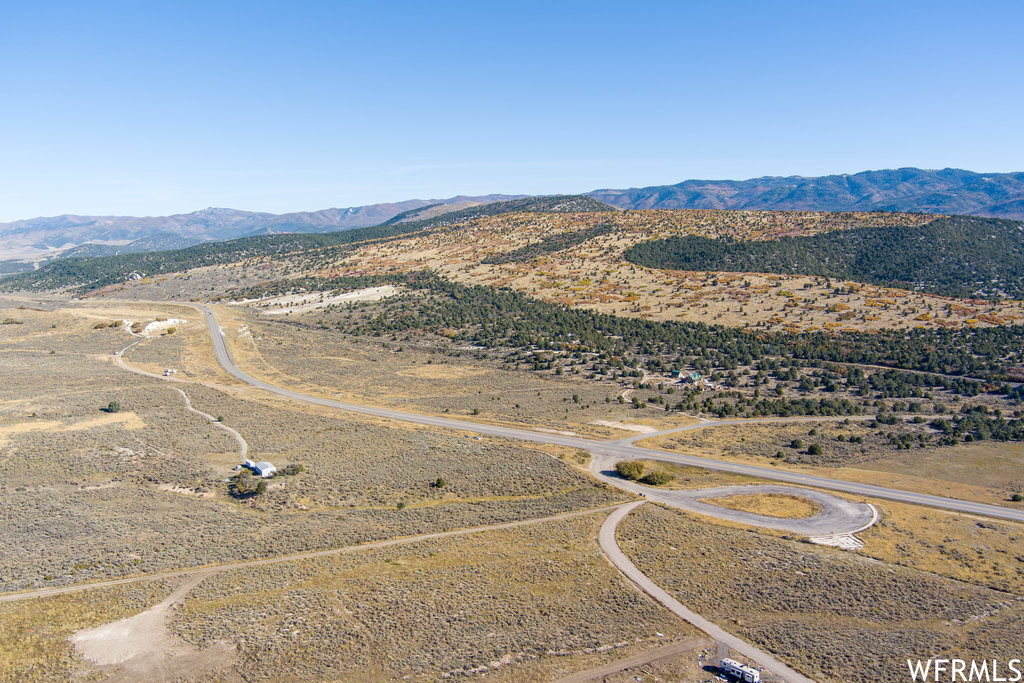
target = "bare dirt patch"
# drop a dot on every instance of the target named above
(305, 303)
(142, 648)
(629, 427)
(34, 634)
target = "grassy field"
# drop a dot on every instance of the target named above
(834, 615)
(980, 551)
(533, 603)
(94, 494)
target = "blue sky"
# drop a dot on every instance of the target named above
(153, 108)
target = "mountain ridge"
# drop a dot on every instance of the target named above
(26, 243)
(46, 237)
(946, 191)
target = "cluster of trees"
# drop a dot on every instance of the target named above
(954, 255)
(778, 407)
(550, 245)
(493, 317)
(978, 423)
(246, 484)
(550, 337)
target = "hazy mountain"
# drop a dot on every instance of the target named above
(107, 269)
(41, 238)
(949, 191)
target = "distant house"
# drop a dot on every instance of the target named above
(260, 469)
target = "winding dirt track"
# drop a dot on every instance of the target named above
(209, 570)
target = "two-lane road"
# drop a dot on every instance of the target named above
(615, 450)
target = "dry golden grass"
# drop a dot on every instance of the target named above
(986, 472)
(980, 551)
(532, 603)
(768, 504)
(431, 378)
(153, 496)
(685, 477)
(594, 275)
(125, 420)
(833, 615)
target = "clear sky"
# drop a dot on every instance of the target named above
(147, 108)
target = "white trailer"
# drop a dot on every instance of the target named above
(741, 672)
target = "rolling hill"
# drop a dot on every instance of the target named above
(94, 271)
(961, 256)
(26, 243)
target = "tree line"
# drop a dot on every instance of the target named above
(962, 256)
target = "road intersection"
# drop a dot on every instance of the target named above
(622, 449)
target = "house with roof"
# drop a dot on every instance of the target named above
(261, 469)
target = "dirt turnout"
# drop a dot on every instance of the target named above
(142, 648)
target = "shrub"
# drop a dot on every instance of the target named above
(1016, 498)
(657, 479)
(796, 443)
(439, 483)
(629, 469)
(113, 407)
(814, 449)
(245, 484)
(292, 469)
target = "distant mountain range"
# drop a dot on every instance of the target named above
(44, 238)
(948, 191)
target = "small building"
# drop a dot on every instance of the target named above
(260, 469)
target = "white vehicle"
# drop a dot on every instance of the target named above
(740, 672)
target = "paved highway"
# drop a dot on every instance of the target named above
(615, 450)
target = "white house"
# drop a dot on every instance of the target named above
(260, 469)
